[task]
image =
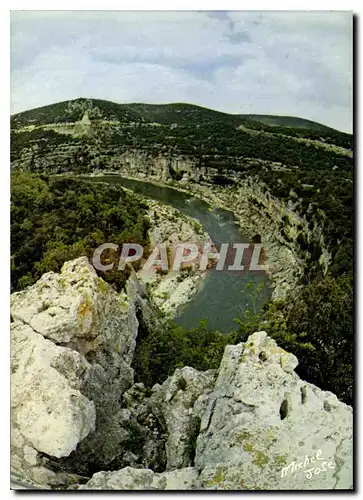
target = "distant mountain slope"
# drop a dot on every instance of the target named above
(166, 114)
(72, 111)
(179, 113)
(289, 121)
(182, 113)
(97, 130)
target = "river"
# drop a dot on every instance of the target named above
(224, 295)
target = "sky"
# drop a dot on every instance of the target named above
(282, 63)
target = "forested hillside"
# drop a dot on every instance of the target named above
(54, 220)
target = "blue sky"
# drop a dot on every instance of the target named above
(286, 63)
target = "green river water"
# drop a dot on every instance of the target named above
(224, 295)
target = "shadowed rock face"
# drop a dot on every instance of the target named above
(251, 424)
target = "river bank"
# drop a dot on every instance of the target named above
(171, 290)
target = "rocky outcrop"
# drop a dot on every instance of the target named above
(73, 342)
(260, 428)
(170, 227)
(79, 422)
(263, 421)
(179, 405)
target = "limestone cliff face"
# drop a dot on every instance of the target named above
(289, 235)
(79, 422)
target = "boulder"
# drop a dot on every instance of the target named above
(178, 405)
(144, 479)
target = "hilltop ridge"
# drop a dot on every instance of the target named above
(178, 113)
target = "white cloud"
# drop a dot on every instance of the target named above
(293, 63)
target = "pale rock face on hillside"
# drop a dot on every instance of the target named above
(251, 424)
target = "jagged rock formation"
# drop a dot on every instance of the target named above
(252, 424)
(262, 417)
(179, 404)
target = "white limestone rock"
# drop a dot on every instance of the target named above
(175, 405)
(262, 417)
(144, 479)
(73, 341)
(52, 414)
(262, 428)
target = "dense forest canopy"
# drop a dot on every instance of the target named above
(55, 219)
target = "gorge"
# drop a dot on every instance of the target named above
(221, 414)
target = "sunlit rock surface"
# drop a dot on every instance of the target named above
(79, 421)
